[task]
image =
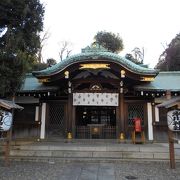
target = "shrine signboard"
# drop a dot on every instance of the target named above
(173, 120)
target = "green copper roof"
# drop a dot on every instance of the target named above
(31, 84)
(163, 81)
(96, 54)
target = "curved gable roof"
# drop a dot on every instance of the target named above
(96, 55)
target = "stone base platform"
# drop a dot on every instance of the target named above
(90, 150)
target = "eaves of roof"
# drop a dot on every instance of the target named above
(96, 56)
(31, 84)
(164, 81)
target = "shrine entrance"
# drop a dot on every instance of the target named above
(96, 122)
(95, 115)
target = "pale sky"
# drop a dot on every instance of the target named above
(140, 23)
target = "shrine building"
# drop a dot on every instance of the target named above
(94, 95)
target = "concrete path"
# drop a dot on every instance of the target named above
(121, 170)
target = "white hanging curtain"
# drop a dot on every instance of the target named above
(95, 99)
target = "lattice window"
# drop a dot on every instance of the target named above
(135, 110)
(56, 119)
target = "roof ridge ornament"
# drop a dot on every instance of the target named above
(94, 47)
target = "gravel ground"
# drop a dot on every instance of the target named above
(89, 171)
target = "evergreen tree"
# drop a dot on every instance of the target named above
(12, 71)
(169, 60)
(110, 41)
(21, 22)
(51, 62)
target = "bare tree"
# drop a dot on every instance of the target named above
(138, 54)
(65, 49)
(43, 41)
(164, 45)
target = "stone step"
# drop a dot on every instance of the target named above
(90, 154)
(109, 148)
(96, 152)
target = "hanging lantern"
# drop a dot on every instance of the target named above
(5, 120)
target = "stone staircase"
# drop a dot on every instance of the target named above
(91, 151)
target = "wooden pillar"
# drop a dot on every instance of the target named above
(73, 121)
(69, 111)
(7, 147)
(153, 121)
(118, 120)
(156, 119)
(121, 110)
(171, 140)
(171, 149)
(122, 123)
